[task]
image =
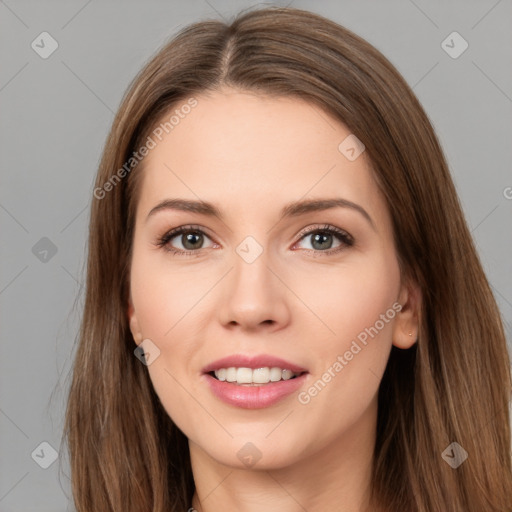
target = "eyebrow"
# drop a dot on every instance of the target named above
(294, 209)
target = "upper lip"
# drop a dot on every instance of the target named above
(255, 361)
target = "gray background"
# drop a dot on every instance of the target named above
(56, 113)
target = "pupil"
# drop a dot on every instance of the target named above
(318, 237)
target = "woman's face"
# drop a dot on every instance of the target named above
(268, 281)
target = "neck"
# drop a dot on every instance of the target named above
(338, 473)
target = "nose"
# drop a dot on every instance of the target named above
(254, 296)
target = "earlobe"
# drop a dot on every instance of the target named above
(406, 327)
(134, 324)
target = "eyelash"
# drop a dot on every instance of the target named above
(345, 239)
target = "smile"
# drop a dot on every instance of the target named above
(253, 381)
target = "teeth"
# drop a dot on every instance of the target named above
(248, 376)
(231, 374)
(287, 374)
(221, 374)
(261, 376)
(275, 374)
(244, 376)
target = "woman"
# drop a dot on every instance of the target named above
(284, 308)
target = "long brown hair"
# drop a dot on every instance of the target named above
(453, 385)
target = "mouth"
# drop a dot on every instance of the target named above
(244, 376)
(253, 382)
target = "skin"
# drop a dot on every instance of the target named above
(250, 155)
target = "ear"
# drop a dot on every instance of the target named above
(134, 323)
(406, 326)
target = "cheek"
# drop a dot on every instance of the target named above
(169, 306)
(165, 313)
(163, 295)
(357, 307)
(350, 298)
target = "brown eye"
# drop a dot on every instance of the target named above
(322, 239)
(183, 240)
(192, 240)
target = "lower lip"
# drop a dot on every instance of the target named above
(254, 397)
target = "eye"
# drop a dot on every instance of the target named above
(191, 239)
(322, 239)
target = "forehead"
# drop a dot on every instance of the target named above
(239, 148)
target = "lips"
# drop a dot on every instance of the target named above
(239, 380)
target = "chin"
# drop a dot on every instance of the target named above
(255, 453)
